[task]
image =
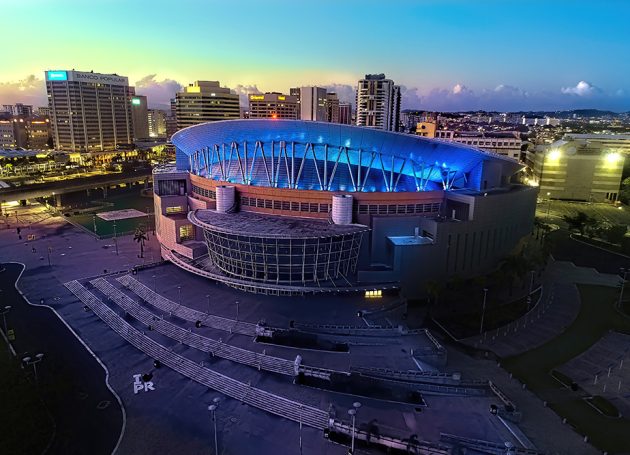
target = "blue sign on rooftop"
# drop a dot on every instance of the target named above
(57, 75)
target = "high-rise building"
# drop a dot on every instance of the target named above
(205, 101)
(378, 103)
(90, 112)
(25, 110)
(157, 123)
(140, 117)
(37, 132)
(345, 113)
(313, 104)
(332, 107)
(43, 111)
(7, 135)
(273, 105)
(295, 91)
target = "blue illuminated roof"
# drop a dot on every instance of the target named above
(357, 158)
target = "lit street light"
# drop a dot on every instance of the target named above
(30, 361)
(212, 408)
(548, 204)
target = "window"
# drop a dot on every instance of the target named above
(186, 232)
(174, 209)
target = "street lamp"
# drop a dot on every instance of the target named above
(548, 204)
(30, 361)
(115, 238)
(4, 312)
(300, 429)
(531, 288)
(154, 283)
(483, 309)
(208, 299)
(624, 272)
(212, 408)
(179, 295)
(353, 413)
(237, 310)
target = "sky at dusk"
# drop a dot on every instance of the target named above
(446, 54)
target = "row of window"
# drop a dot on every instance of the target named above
(311, 207)
(393, 209)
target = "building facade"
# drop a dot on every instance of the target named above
(157, 123)
(332, 108)
(205, 101)
(313, 104)
(18, 109)
(140, 117)
(345, 113)
(378, 103)
(506, 143)
(89, 112)
(292, 207)
(273, 105)
(582, 167)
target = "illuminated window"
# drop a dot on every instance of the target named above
(375, 294)
(174, 209)
(186, 232)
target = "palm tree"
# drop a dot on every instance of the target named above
(140, 237)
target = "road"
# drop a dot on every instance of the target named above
(87, 415)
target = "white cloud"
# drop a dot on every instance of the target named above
(582, 88)
(30, 90)
(243, 92)
(346, 93)
(158, 93)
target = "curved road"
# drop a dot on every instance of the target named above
(583, 255)
(87, 415)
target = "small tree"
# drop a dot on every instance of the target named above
(581, 222)
(140, 237)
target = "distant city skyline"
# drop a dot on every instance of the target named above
(448, 55)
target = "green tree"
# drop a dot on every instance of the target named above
(434, 289)
(140, 237)
(581, 222)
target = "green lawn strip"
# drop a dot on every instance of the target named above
(597, 316)
(25, 426)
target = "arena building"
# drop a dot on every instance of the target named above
(291, 207)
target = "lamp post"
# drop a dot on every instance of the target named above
(154, 283)
(548, 204)
(300, 429)
(94, 222)
(148, 221)
(237, 310)
(179, 295)
(353, 413)
(212, 408)
(115, 238)
(483, 309)
(4, 312)
(30, 361)
(208, 300)
(624, 273)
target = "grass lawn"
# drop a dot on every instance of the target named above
(25, 426)
(597, 316)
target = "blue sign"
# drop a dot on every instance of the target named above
(57, 75)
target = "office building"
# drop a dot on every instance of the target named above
(332, 107)
(18, 109)
(157, 123)
(205, 101)
(90, 112)
(38, 133)
(378, 103)
(582, 167)
(420, 209)
(345, 113)
(43, 111)
(140, 117)
(273, 105)
(507, 143)
(8, 138)
(313, 104)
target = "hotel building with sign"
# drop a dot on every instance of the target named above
(205, 101)
(89, 112)
(274, 105)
